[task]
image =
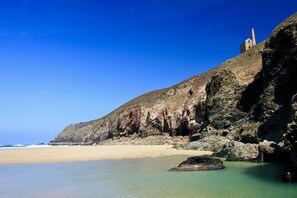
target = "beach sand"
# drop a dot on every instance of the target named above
(87, 153)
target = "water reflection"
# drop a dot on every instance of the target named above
(266, 171)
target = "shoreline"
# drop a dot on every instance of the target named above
(90, 153)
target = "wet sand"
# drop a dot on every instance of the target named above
(88, 153)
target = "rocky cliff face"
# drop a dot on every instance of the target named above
(245, 109)
(175, 111)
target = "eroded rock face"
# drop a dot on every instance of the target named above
(276, 108)
(265, 111)
(276, 84)
(223, 93)
(265, 129)
(290, 174)
(200, 163)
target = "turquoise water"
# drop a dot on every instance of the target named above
(148, 177)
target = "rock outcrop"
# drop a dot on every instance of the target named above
(200, 163)
(244, 109)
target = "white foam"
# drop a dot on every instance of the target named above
(18, 145)
(22, 146)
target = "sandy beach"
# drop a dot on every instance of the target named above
(87, 153)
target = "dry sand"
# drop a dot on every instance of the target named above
(86, 153)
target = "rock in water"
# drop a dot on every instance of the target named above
(200, 163)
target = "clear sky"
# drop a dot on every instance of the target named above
(68, 61)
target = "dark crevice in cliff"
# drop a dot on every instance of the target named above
(251, 94)
(274, 128)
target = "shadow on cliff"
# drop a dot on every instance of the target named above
(251, 94)
(266, 172)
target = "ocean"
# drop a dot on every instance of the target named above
(15, 146)
(146, 177)
(22, 146)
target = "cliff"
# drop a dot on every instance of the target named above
(245, 109)
(173, 111)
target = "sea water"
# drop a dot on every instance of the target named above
(22, 146)
(146, 177)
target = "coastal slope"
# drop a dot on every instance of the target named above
(173, 111)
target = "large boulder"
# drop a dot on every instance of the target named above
(200, 163)
(238, 151)
(270, 151)
(243, 152)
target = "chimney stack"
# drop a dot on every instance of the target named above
(253, 37)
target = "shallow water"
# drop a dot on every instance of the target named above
(147, 177)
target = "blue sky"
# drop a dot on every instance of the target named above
(68, 61)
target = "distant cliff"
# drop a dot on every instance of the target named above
(245, 109)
